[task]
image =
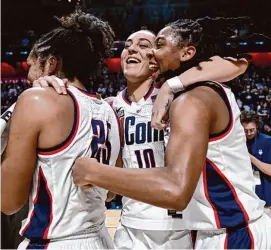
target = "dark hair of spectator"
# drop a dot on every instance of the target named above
(81, 43)
(250, 116)
(210, 36)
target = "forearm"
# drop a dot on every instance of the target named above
(218, 69)
(264, 167)
(151, 186)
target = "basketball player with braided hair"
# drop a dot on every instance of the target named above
(208, 175)
(142, 225)
(211, 37)
(48, 132)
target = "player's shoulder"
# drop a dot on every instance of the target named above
(200, 95)
(39, 94)
(197, 103)
(44, 101)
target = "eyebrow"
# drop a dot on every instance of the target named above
(140, 39)
(159, 38)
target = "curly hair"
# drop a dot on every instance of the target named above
(210, 36)
(249, 116)
(81, 43)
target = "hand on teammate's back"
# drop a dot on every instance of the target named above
(52, 81)
(82, 169)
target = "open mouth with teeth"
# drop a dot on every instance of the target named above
(153, 66)
(132, 60)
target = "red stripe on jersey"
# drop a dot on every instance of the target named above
(226, 241)
(231, 188)
(208, 198)
(51, 203)
(34, 202)
(252, 246)
(125, 97)
(149, 93)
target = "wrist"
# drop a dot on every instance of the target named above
(175, 85)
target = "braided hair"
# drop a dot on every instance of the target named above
(81, 43)
(210, 36)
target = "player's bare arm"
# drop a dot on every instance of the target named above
(35, 110)
(19, 159)
(264, 167)
(173, 186)
(218, 69)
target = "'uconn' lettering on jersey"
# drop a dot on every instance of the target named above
(143, 132)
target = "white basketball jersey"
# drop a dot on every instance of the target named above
(143, 148)
(224, 196)
(57, 208)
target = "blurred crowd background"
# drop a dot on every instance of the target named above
(25, 21)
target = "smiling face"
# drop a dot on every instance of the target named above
(169, 51)
(134, 60)
(250, 129)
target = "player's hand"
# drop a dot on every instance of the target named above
(82, 170)
(161, 107)
(58, 84)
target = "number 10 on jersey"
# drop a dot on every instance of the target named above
(145, 158)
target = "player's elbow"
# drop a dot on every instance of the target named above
(178, 200)
(178, 205)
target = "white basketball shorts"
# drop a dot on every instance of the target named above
(97, 240)
(131, 238)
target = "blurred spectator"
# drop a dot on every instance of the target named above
(259, 147)
(253, 93)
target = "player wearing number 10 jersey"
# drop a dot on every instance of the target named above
(143, 148)
(143, 226)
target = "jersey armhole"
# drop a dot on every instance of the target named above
(60, 147)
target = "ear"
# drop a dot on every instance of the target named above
(52, 66)
(187, 53)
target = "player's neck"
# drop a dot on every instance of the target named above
(136, 91)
